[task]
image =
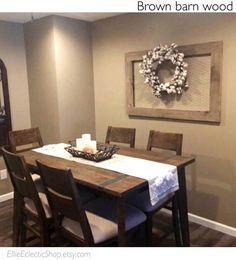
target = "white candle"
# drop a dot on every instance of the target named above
(80, 144)
(90, 147)
(86, 137)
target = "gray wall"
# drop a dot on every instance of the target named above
(74, 68)
(41, 68)
(59, 62)
(212, 179)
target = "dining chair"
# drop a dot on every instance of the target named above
(164, 141)
(84, 224)
(121, 135)
(31, 209)
(26, 139)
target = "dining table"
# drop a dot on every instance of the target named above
(121, 186)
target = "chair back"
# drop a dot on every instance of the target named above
(22, 181)
(166, 141)
(22, 140)
(64, 199)
(121, 135)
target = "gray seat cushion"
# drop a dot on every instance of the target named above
(102, 229)
(38, 183)
(102, 217)
(141, 200)
(107, 208)
(29, 204)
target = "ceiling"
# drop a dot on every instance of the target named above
(26, 17)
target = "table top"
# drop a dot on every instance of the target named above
(111, 182)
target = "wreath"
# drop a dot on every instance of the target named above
(149, 69)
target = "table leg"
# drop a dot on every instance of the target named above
(183, 207)
(176, 222)
(121, 222)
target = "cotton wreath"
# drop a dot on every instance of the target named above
(157, 56)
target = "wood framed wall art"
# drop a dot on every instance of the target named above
(200, 102)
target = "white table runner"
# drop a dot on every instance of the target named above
(162, 178)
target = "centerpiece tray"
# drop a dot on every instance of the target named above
(103, 153)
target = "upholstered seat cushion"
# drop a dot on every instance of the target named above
(102, 229)
(107, 208)
(102, 217)
(141, 200)
(35, 177)
(29, 204)
(38, 183)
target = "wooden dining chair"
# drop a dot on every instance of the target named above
(26, 139)
(84, 224)
(164, 141)
(121, 135)
(31, 209)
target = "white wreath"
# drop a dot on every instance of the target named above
(158, 55)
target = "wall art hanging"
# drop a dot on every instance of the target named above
(170, 82)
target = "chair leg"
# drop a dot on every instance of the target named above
(45, 239)
(148, 229)
(45, 236)
(22, 238)
(17, 220)
(16, 226)
(58, 238)
(175, 219)
(57, 224)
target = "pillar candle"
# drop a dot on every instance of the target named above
(80, 144)
(86, 137)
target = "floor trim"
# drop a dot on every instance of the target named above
(212, 224)
(6, 196)
(209, 224)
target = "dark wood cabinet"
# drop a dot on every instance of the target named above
(5, 111)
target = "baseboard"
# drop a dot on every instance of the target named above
(6, 196)
(209, 224)
(213, 224)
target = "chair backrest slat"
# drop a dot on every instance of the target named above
(64, 198)
(121, 135)
(166, 141)
(28, 137)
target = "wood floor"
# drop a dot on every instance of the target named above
(200, 236)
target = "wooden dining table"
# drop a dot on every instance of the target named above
(121, 185)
